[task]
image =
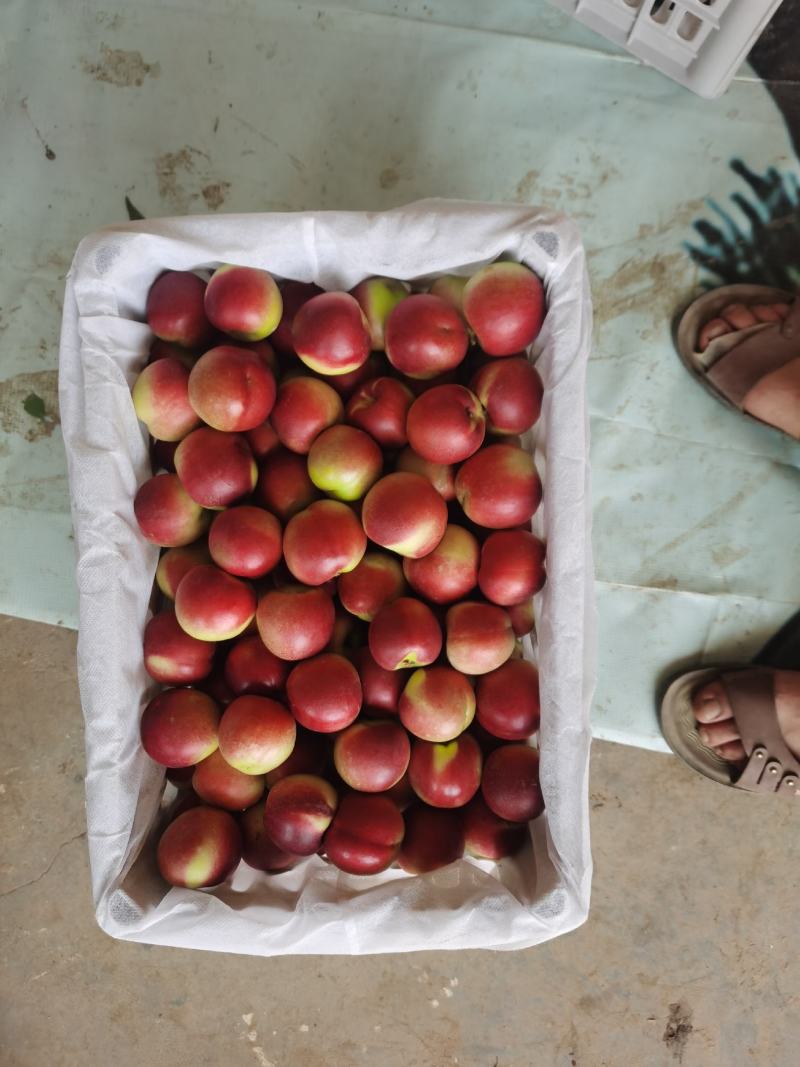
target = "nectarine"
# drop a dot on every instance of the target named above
(199, 848)
(324, 693)
(510, 783)
(298, 811)
(295, 622)
(404, 513)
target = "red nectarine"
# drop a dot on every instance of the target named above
(323, 541)
(256, 734)
(498, 487)
(404, 633)
(372, 756)
(217, 783)
(377, 297)
(504, 305)
(331, 334)
(304, 408)
(365, 835)
(167, 515)
(446, 424)
(177, 562)
(380, 688)
(479, 637)
(250, 668)
(441, 475)
(450, 571)
(434, 838)
(511, 392)
(404, 513)
(446, 775)
(375, 581)
(245, 541)
(425, 336)
(295, 622)
(512, 566)
(231, 389)
(487, 836)
(298, 811)
(171, 656)
(510, 783)
(437, 704)
(243, 302)
(344, 462)
(258, 849)
(179, 727)
(212, 605)
(284, 486)
(324, 693)
(175, 309)
(216, 468)
(380, 406)
(199, 848)
(508, 700)
(161, 400)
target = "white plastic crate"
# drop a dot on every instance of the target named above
(699, 43)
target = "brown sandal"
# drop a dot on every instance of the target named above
(732, 364)
(770, 766)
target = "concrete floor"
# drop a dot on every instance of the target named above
(690, 955)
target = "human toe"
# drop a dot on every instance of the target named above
(710, 703)
(710, 331)
(716, 734)
(739, 316)
(732, 751)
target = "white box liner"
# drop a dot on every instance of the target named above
(315, 908)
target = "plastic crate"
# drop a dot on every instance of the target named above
(699, 43)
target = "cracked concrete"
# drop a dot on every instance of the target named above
(689, 958)
(48, 868)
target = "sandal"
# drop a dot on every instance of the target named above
(770, 766)
(734, 361)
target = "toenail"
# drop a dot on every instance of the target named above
(702, 733)
(711, 708)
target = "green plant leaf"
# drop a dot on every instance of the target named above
(34, 405)
(133, 212)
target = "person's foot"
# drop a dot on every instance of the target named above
(717, 726)
(739, 317)
(775, 398)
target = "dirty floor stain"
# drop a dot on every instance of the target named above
(121, 68)
(678, 1030)
(48, 151)
(651, 285)
(525, 186)
(215, 194)
(726, 555)
(109, 20)
(388, 178)
(681, 218)
(39, 494)
(569, 196)
(29, 404)
(708, 522)
(184, 177)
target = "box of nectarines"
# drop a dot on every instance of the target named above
(329, 483)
